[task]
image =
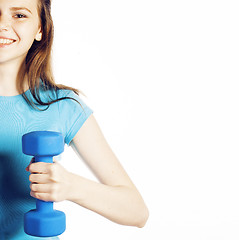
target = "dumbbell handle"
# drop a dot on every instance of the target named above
(43, 206)
(46, 159)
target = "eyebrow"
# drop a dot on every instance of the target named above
(20, 8)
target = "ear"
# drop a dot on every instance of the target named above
(38, 36)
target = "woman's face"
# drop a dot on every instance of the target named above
(21, 25)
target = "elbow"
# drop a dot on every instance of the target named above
(137, 213)
(141, 213)
(143, 218)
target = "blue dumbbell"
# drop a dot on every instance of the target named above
(43, 221)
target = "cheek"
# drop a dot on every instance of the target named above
(26, 32)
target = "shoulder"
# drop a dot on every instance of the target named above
(61, 93)
(68, 98)
(72, 105)
(65, 92)
(50, 93)
(73, 112)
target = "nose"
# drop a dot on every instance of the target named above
(4, 23)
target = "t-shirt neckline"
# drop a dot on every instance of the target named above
(13, 98)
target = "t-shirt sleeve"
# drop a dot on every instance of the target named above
(72, 114)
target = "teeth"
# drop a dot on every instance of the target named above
(4, 41)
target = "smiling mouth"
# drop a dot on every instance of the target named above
(6, 41)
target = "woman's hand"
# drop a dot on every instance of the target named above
(49, 181)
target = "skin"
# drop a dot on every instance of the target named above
(114, 196)
(24, 27)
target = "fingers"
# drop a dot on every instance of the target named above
(42, 188)
(39, 178)
(42, 196)
(49, 181)
(37, 168)
(40, 167)
(45, 192)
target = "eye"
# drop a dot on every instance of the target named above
(21, 15)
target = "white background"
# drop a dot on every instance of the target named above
(162, 79)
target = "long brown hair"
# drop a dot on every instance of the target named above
(38, 63)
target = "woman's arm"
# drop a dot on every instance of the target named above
(115, 197)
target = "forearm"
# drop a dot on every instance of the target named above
(119, 204)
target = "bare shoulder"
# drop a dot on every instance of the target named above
(91, 145)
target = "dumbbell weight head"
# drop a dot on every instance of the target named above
(42, 143)
(44, 224)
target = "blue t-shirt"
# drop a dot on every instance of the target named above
(17, 118)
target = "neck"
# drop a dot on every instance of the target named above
(8, 80)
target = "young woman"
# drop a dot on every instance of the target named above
(30, 100)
